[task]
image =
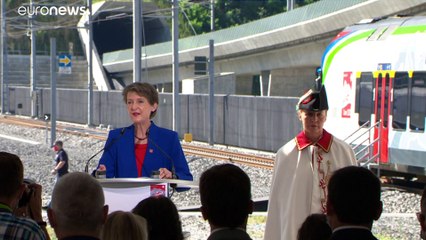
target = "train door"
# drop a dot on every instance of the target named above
(382, 110)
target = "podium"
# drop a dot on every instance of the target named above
(125, 193)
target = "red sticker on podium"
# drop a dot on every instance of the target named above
(158, 190)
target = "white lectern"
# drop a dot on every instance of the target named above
(125, 193)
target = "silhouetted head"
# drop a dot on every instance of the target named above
(225, 193)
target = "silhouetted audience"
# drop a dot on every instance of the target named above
(315, 227)
(20, 204)
(78, 209)
(162, 217)
(225, 194)
(353, 203)
(421, 215)
(124, 226)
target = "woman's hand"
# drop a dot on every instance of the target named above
(165, 173)
(101, 167)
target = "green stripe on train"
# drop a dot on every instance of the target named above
(410, 29)
(342, 45)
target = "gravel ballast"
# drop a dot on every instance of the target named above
(398, 220)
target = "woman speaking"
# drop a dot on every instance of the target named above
(143, 149)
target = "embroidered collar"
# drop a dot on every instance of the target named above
(325, 142)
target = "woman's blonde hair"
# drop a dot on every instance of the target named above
(124, 225)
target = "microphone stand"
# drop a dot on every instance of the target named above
(172, 185)
(167, 156)
(86, 168)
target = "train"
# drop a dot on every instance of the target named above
(374, 73)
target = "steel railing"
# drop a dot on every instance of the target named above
(362, 141)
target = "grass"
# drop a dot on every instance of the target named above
(51, 233)
(380, 237)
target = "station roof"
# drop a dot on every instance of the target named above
(269, 24)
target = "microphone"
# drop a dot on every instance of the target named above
(86, 168)
(164, 154)
(173, 186)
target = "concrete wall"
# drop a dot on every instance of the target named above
(18, 72)
(304, 58)
(292, 82)
(263, 123)
(223, 84)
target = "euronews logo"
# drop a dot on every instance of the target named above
(51, 10)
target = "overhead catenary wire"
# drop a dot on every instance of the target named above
(18, 25)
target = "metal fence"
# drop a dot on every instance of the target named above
(263, 123)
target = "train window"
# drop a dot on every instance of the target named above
(400, 100)
(418, 101)
(364, 97)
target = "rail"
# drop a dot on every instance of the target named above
(363, 144)
(226, 155)
(249, 159)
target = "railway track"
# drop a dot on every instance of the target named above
(60, 127)
(195, 150)
(236, 157)
(189, 149)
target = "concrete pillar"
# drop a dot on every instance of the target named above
(265, 81)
